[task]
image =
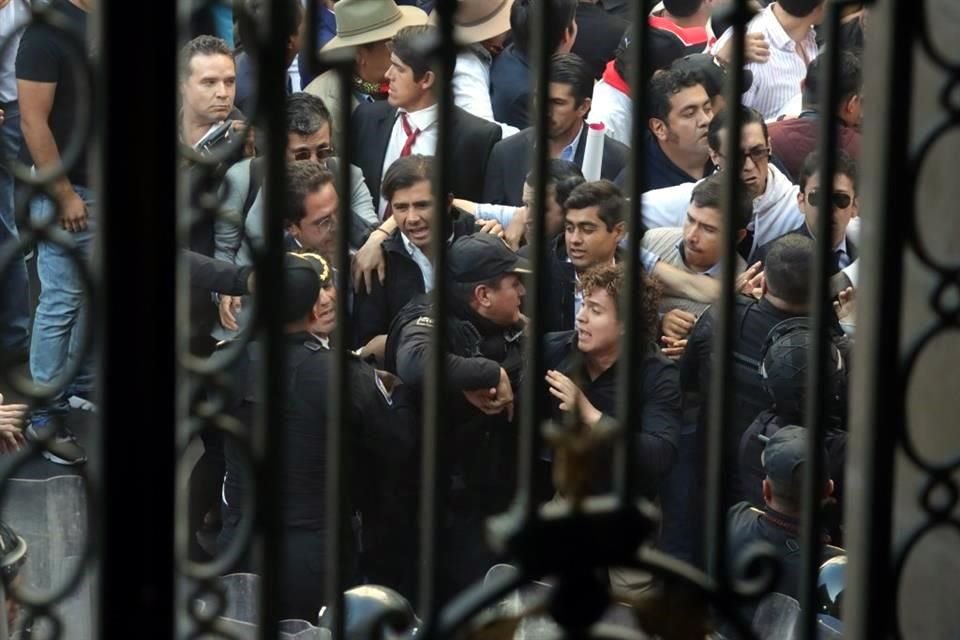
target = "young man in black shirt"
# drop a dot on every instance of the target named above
(49, 92)
(583, 365)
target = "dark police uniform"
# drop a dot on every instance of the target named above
(380, 436)
(478, 451)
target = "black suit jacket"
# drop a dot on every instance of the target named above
(761, 253)
(510, 163)
(472, 140)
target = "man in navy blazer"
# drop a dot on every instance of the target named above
(407, 123)
(571, 88)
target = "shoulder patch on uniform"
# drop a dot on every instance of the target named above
(424, 321)
(313, 345)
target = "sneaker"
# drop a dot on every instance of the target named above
(57, 446)
(78, 402)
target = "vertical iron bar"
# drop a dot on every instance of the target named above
(821, 311)
(629, 410)
(136, 368)
(311, 40)
(270, 498)
(530, 410)
(339, 519)
(432, 483)
(721, 400)
(877, 392)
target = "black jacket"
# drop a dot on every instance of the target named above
(380, 435)
(510, 87)
(658, 390)
(220, 276)
(471, 141)
(561, 284)
(753, 320)
(480, 450)
(761, 252)
(374, 310)
(510, 163)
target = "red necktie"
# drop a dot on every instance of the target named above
(411, 134)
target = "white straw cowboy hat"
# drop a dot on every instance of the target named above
(478, 20)
(366, 21)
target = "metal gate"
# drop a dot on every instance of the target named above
(148, 382)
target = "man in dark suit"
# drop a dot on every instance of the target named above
(598, 35)
(510, 72)
(845, 207)
(571, 85)
(407, 123)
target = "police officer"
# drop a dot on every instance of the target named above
(483, 367)
(786, 294)
(778, 521)
(379, 437)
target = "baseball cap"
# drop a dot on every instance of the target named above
(784, 452)
(482, 256)
(306, 274)
(710, 70)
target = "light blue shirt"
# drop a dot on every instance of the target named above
(570, 150)
(422, 261)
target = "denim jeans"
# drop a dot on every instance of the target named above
(63, 310)
(14, 285)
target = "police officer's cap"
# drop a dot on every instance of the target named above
(306, 274)
(785, 451)
(482, 256)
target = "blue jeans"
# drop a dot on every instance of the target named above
(63, 311)
(14, 285)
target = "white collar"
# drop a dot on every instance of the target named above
(422, 119)
(778, 188)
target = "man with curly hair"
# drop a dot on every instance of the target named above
(582, 369)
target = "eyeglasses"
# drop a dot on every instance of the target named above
(322, 152)
(326, 224)
(840, 200)
(757, 154)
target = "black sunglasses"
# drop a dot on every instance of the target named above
(840, 200)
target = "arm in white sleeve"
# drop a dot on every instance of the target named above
(471, 90)
(500, 212)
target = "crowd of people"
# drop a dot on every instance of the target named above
(390, 213)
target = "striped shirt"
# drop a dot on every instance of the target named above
(778, 79)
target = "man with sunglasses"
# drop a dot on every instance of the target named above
(844, 208)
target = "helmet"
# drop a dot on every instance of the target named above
(783, 371)
(370, 604)
(830, 587)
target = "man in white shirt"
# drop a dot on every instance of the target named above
(787, 26)
(482, 26)
(775, 209)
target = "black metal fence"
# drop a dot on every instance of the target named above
(137, 476)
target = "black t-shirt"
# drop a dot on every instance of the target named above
(45, 55)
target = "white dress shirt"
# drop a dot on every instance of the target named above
(426, 143)
(612, 107)
(775, 211)
(471, 89)
(778, 80)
